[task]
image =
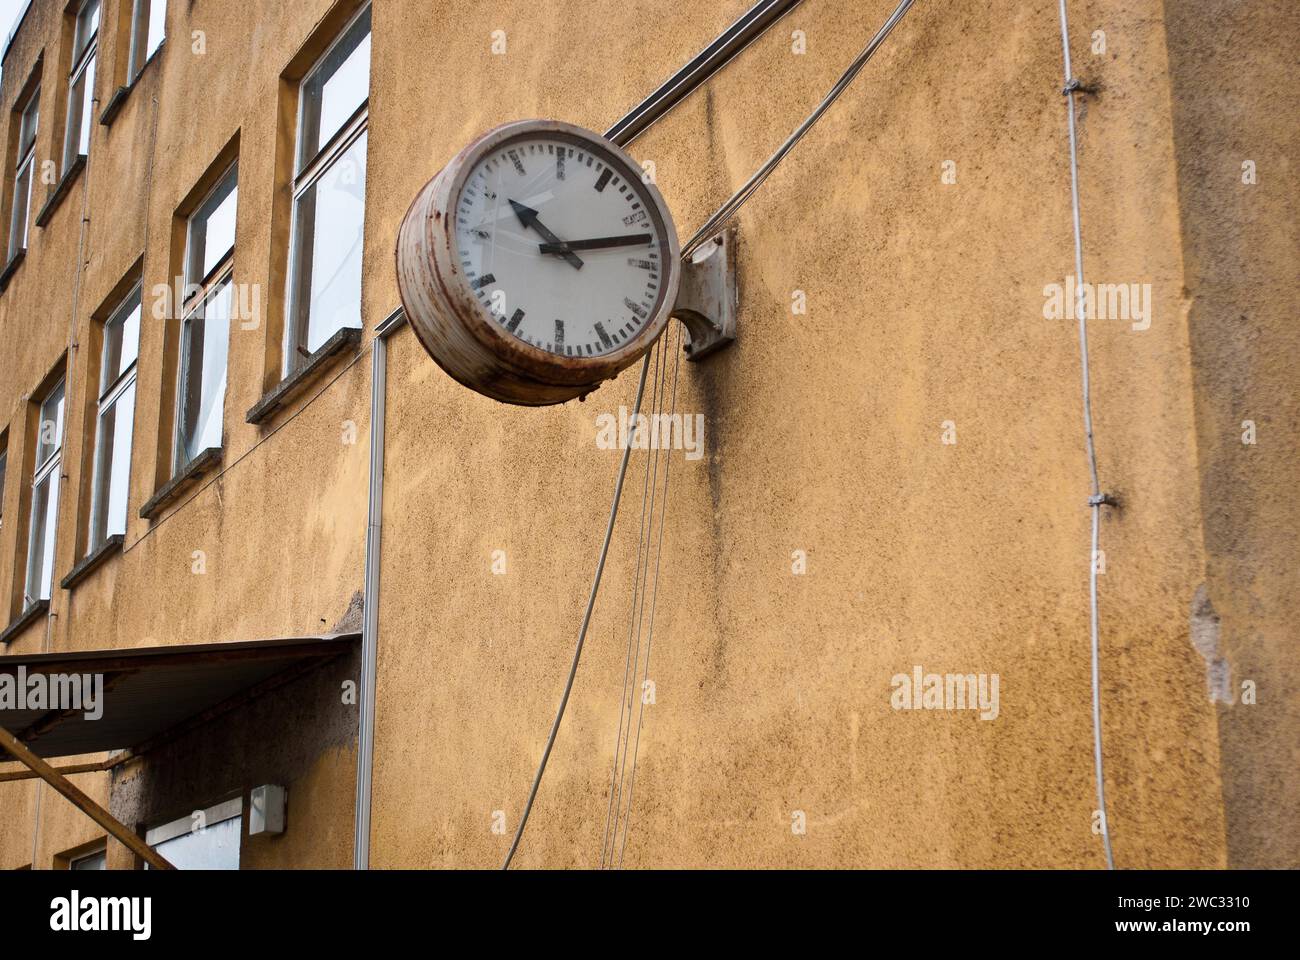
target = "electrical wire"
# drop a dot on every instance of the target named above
(715, 223)
(654, 599)
(586, 622)
(629, 665)
(1097, 499)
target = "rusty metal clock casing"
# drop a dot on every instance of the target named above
(458, 331)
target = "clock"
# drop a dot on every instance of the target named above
(538, 263)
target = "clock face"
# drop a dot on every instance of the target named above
(563, 244)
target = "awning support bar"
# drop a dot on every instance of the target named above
(19, 751)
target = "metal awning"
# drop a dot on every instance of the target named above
(140, 697)
(155, 692)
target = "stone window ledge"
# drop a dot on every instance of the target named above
(25, 620)
(174, 487)
(69, 178)
(292, 385)
(92, 560)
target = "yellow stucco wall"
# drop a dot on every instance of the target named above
(822, 432)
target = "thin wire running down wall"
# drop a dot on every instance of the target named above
(1097, 498)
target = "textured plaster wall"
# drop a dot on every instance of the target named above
(823, 435)
(1232, 72)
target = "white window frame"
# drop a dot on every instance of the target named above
(109, 396)
(84, 62)
(205, 290)
(34, 587)
(213, 815)
(307, 175)
(26, 164)
(142, 22)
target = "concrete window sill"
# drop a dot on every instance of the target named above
(92, 560)
(346, 339)
(11, 268)
(25, 620)
(69, 178)
(173, 488)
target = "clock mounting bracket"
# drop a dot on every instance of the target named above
(707, 296)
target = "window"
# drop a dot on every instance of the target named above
(205, 327)
(148, 28)
(90, 861)
(81, 82)
(45, 497)
(329, 195)
(4, 463)
(20, 216)
(115, 421)
(205, 840)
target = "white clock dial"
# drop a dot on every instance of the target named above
(562, 244)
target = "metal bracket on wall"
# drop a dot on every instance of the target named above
(706, 298)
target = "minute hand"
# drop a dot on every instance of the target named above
(596, 243)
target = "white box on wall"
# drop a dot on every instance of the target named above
(266, 810)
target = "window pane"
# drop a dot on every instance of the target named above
(96, 861)
(329, 221)
(121, 341)
(87, 25)
(31, 116)
(79, 114)
(212, 230)
(212, 848)
(22, 210)
(157, 26)
(334, 89)
(112, 467)
(4, 463)
(147, 31)
(203, 376)
(50, 428)
(40, 550)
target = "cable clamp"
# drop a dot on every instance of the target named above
(1071, 85)
(1101, 499)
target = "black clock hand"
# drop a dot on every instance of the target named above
(528, 217)
(597, 243)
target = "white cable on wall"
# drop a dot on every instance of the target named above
(1097, 498)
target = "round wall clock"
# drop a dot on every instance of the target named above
(538, 263)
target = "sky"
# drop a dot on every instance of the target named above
(9, 10)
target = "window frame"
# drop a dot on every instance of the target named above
(307, 174)
(196, 295)
(44, 470)
(25, 159)
(82, 62)
(139, 52)
(213, 815)
(108, 398)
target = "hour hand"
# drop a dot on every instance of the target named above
(528, 217)
(597, 243)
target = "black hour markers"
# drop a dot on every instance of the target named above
(635, 308)
(604, 337)
(515, 319)
(483, 281)
(640, 264)
(514, 158)
(559, 165)
(559, 335)
(604, 179)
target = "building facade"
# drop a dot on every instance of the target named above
(883, 480)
